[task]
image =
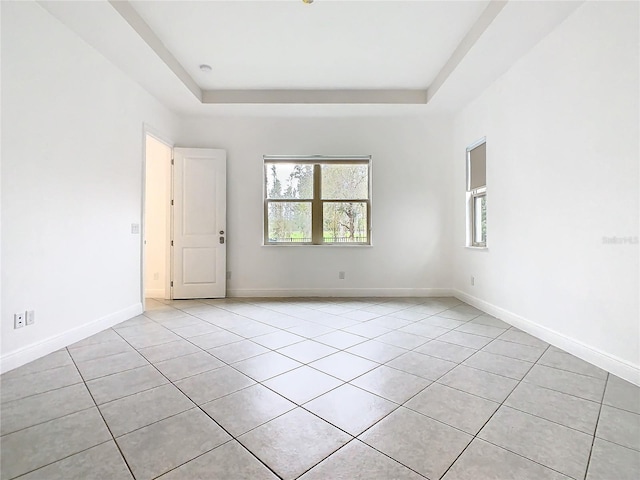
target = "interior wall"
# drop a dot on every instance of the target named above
(562, 185)
(410, 204)
(157, 218)
(72, 146)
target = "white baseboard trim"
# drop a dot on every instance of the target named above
(340, 292)
(26, 354)
(597, 357)
(154, 293)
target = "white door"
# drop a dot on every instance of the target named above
(199, 223)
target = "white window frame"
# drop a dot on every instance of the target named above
(472, 195)
(475, 195)
(317, 221)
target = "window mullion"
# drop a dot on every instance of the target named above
(316, 206)
(266, 222)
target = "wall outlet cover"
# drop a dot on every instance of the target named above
(18, 320)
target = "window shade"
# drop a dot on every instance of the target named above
(477, 173)
(312, 159)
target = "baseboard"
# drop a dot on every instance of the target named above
(340, 292)
(597, 357)
(19, 357)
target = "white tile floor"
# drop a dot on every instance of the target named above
(321, 389)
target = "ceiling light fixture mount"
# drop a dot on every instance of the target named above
(308, 2)
(206, 68)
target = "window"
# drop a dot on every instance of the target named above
(317, 200)
(477, 194)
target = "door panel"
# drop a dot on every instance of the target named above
(199, 265)
(199, 215)
(199, 197)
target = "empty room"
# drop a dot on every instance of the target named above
(320, 239)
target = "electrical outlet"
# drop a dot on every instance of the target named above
(156, 276)
(31, 317)
(135, 228)
(18, 320)
(341, 275)
(473, 280)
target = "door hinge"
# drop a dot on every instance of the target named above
(172, 243)
(172, 203)
(172, 283)
(172, 159)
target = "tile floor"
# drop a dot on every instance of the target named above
(256, 389)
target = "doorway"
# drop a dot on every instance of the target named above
(157, 219)
(184, 221)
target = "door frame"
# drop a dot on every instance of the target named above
(149, 131)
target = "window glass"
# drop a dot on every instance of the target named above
(480, 220)
(289, 180)
(349, 182)
(345, 222)
(289, 222)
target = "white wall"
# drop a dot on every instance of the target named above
(72, 143)
(562, 173)
(410, 205)
(157, 217)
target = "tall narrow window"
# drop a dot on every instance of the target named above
(477, 194)
(317, 200)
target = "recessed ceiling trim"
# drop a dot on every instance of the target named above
(315, 96)
(132, 17)
(309, 96)
(488, 16)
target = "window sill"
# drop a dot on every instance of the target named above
(298, 245)
(470, 247)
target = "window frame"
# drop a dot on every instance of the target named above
(475, 195)
(317, 202)
(472, 195)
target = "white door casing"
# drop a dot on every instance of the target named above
(199, 223)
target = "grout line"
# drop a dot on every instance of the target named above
(260, 382)
(485, 423)
(192, 407)
(15, 374)
(113, 438)
(49, 420)
(297, 307)
(60, 459)
(571, 371)
(204, 412)
(595, 428)
(494, 373)
(78, 382)
(356, 439)
(626, 447)
(415, 348)
(526, 458)
(232, 439)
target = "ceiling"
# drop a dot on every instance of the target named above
(323, 45)
(288, 56)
